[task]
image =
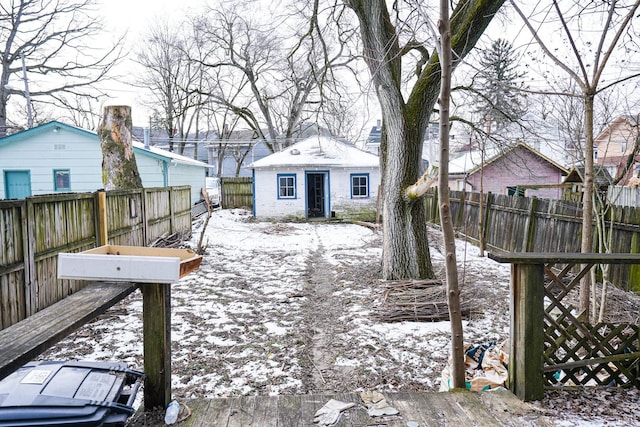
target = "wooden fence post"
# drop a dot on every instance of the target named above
(32, 291)
(172, 216)
(485, 220)
(103, 227)
(530, 227)
(435, 217)
(156, 325)
(527, 333)
(460, 217)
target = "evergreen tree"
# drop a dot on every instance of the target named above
(498, 100)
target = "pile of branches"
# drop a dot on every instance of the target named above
(416, 301)
(174, 240)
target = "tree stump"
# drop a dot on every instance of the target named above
(119, 167)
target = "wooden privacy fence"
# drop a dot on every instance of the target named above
(237, 192)
(34, 230)
(522, 224)
(550, 344)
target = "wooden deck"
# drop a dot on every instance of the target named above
(459, 409)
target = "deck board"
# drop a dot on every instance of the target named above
(289, 411)
(481, 409)
(241, 411)
(27, 339)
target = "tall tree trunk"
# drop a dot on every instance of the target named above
(446, 222)
(119, 167)
(405, 240)
(406, 247)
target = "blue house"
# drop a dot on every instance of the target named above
(56, 157)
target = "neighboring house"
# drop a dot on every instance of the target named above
(517, 170)
(56, 157)
(241, 143)
(615, 144)
(319, 177)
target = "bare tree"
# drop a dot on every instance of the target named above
(81, 111)
(168, 74)
(451, 268)
(386, 40)
(585, 64)
(282, 84)
(54, 37)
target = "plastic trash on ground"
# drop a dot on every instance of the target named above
(486, 368)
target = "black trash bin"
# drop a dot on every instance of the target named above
(74, 394)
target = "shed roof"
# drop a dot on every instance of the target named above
(319, 151)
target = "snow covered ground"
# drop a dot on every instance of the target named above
(291, 308)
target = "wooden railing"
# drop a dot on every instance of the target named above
(552, 345)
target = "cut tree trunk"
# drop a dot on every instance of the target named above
(119, 167)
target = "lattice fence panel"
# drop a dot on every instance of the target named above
(577, 353)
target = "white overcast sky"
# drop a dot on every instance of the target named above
(134, 17)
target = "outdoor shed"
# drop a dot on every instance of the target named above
(56, 157)
(319, 177)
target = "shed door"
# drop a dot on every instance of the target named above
(17, 184)
(315, 195)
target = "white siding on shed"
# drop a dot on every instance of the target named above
(268, 205)
(336, 161)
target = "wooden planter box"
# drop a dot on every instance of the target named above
(113, 263)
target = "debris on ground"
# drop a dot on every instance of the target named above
(377, 405)
(330, 413)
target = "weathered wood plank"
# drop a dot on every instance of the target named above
(563, 258)
(411, 410)
(440, 406)
(507, 409)
(207, 413)
(156, 323)
(289, 412)
(474, 409)
(527, 334)
(264, 409)
(356, 416)
(491, 408)
(25, 340)
(309, 405)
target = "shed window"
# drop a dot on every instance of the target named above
(359, 186)
(286, 186)
(515, 191)
(61, 180)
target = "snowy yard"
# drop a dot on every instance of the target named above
(292, 308)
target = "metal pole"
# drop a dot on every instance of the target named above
(26, 93)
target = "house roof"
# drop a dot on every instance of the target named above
(471, 161)
(47, 127)
(630, 120)
(319, 151)
(138, 147)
